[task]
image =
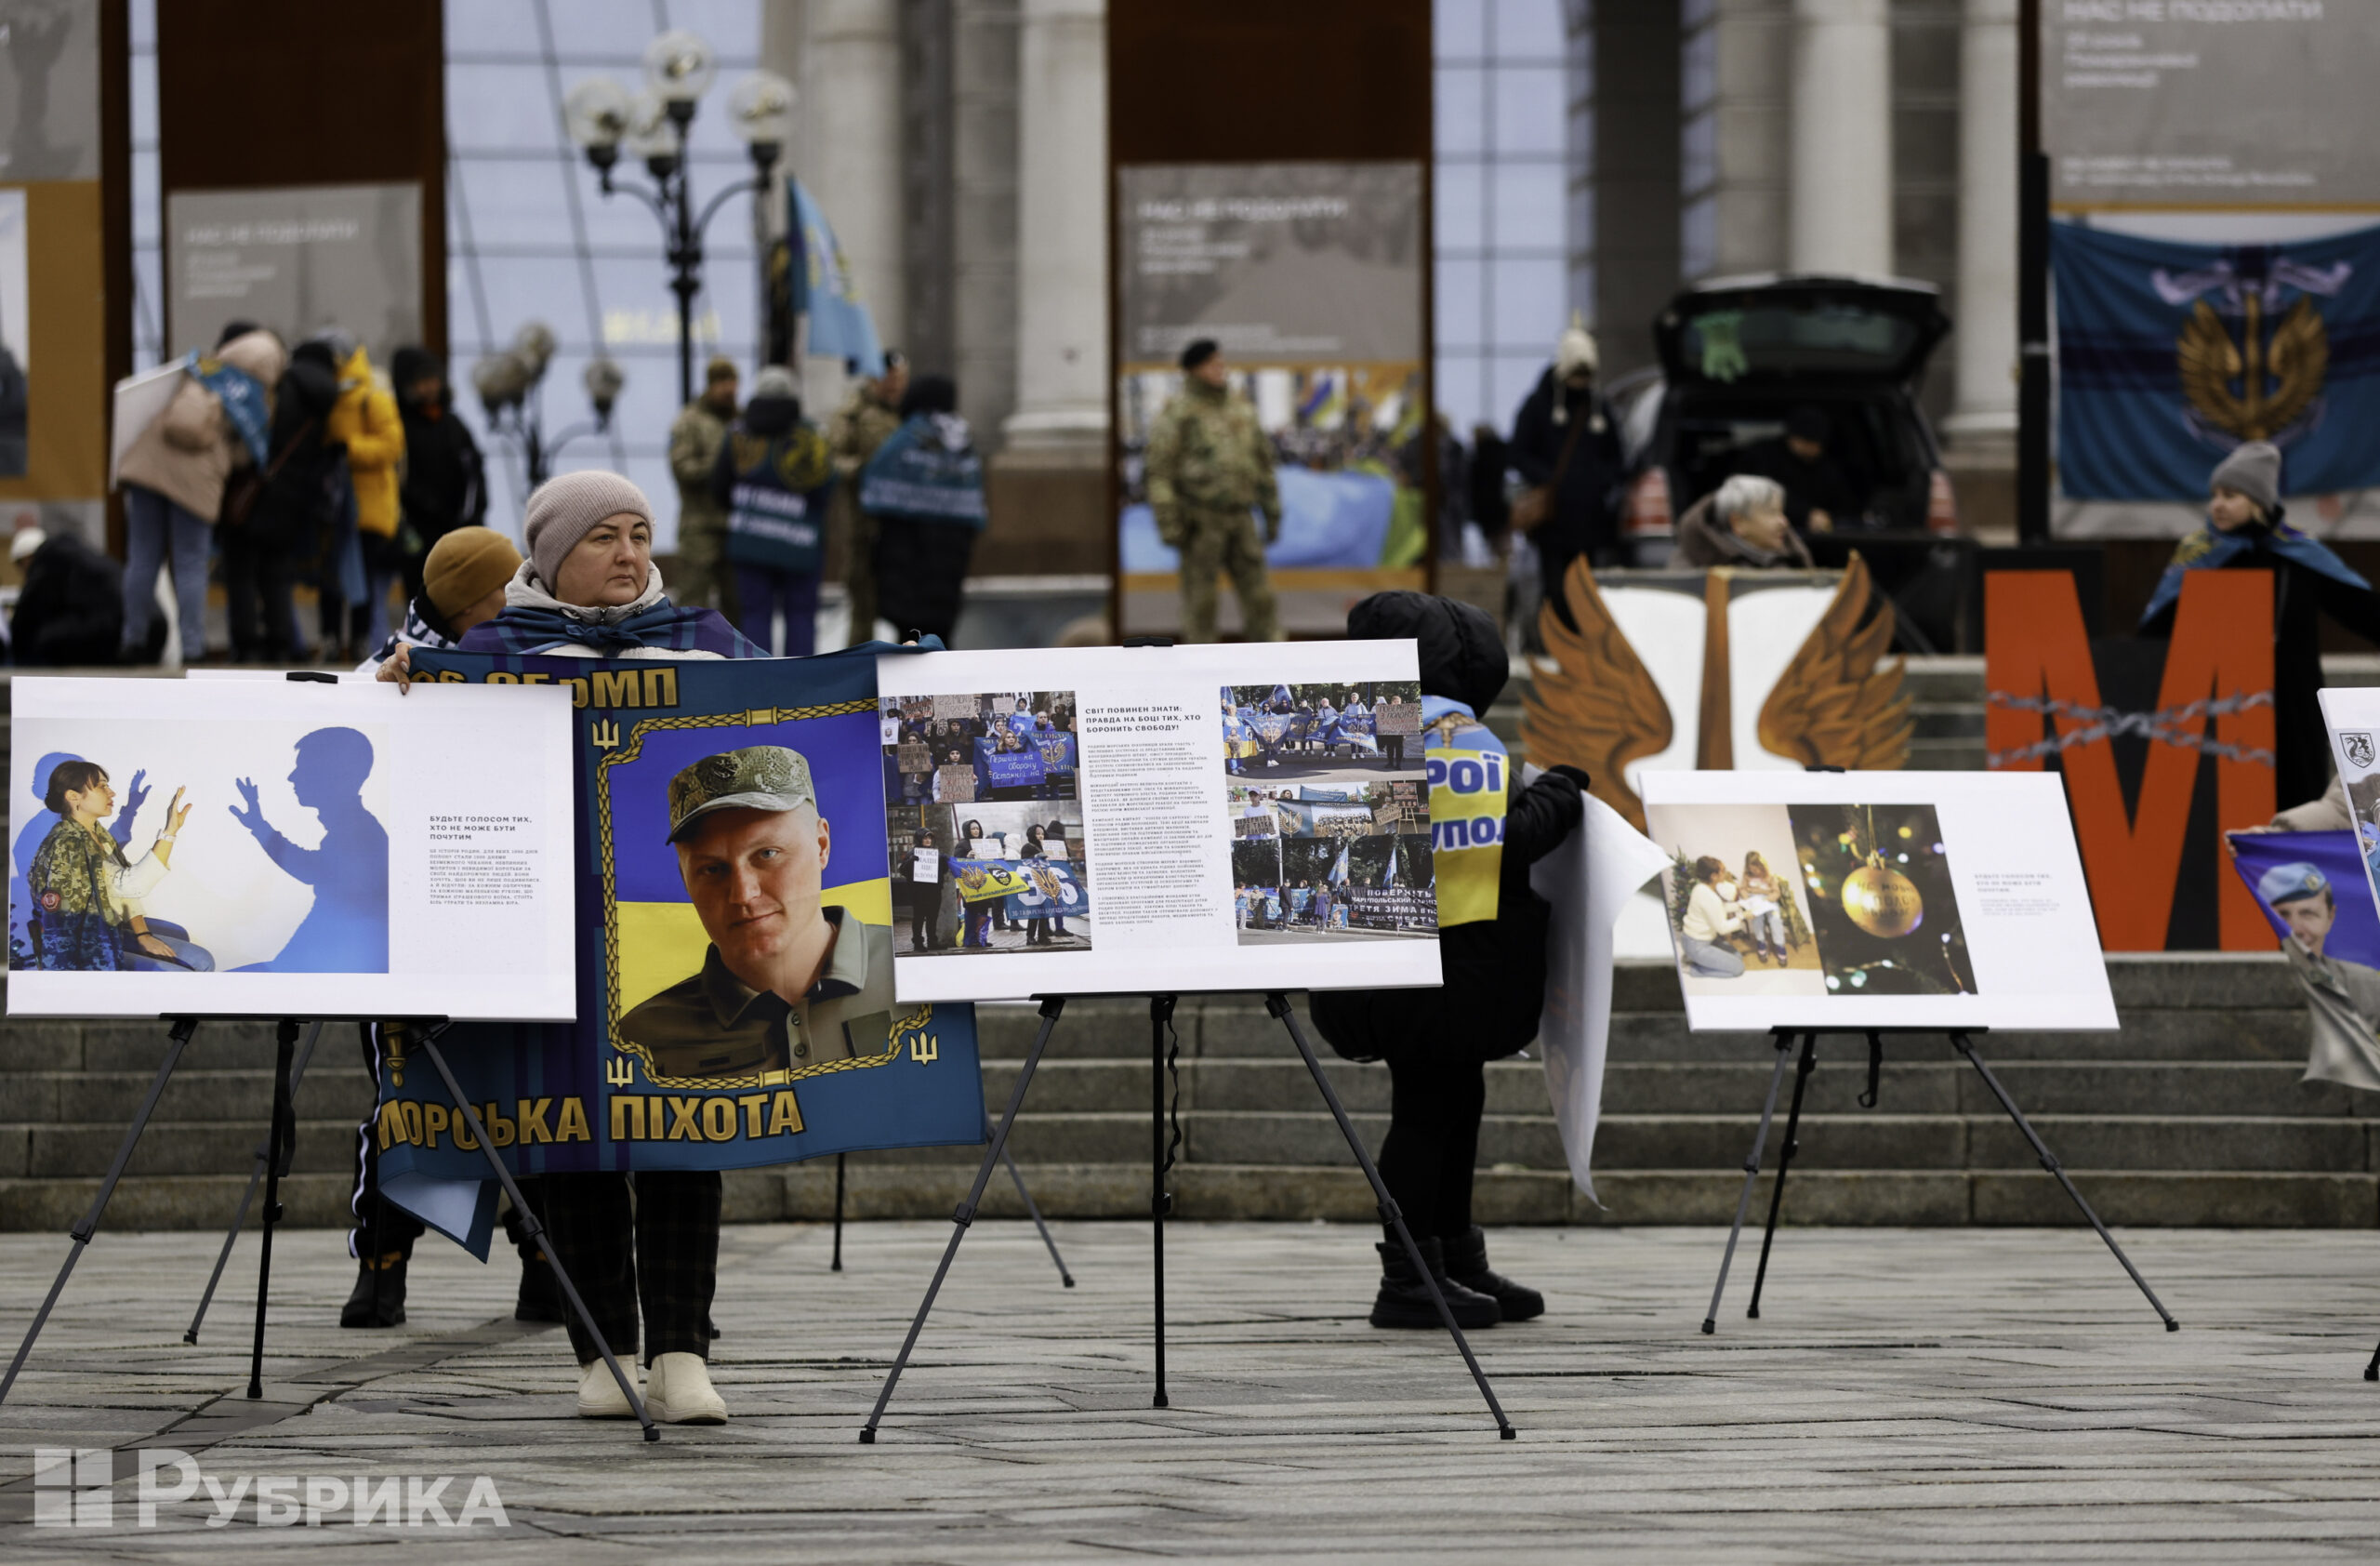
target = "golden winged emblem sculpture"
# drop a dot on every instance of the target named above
(1836, 704)
(2278, 378)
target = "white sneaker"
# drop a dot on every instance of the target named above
(599, 1396)
(680, 1392)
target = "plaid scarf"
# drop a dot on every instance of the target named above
(526, 628)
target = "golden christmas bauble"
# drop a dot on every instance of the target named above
(1882, 901)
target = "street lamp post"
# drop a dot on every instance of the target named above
(602, 117)
(511, 387)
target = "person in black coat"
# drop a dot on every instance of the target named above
(1438, 1042)
(921, 561)
(1821, 495)
(445, 479)
(70, 609)
(1566, 435)
(299, 495)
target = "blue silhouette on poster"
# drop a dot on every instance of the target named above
(348, 930)
(38, 824)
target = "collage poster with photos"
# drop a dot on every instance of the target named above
(736, 939)
(1157, 820)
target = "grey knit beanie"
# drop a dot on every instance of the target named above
(2254, 470)
(566, 508)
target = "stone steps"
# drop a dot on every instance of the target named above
(2193, 1113)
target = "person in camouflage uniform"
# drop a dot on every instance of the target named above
(866, 420)
(1209, 468)
(701, 581)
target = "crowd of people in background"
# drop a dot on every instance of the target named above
(272, 468)
(279, 473)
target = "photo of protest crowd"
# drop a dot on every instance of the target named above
(1346, 731)
(1319, 863)
(1004, 746)
(996, 877)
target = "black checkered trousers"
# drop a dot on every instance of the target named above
(648, 1240)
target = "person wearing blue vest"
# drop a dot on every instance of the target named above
(1486, 831)
(773, 477)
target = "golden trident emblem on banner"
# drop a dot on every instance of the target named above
(2293, 360)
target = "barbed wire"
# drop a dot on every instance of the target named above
(2163, 726)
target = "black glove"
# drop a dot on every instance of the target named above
(1575, 775)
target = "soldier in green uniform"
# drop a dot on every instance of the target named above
(866, 420)
(1209, 468)
(702, 580)
(785, 983)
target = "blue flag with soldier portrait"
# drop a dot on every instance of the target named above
(735, 949)
(2171, 355)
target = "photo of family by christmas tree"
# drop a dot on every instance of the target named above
(1835, 900)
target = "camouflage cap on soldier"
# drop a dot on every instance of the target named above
(756, 778)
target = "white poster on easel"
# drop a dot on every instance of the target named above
(1879, 899)
(267, 848)
(1163, 819)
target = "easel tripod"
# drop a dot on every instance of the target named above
(279, 1141)
(1783, 1038)
(1160, 1017)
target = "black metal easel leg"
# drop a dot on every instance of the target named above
(1278, 1005)
(1960, 1042)
(89, 1224)
(281, 1142)
(1784, 1162)
(837, 1265)
(1032, 1208)
(1160, 1200)
(965, 1215)
(255, 1178)
(1751, 1174)
(535, 1227)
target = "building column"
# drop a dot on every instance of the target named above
(1984, 421)
(851, 149)
(1062, 365)
(1842, 144)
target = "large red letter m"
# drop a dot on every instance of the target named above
(2037, 663)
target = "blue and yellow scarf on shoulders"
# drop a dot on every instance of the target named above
(1470, 785)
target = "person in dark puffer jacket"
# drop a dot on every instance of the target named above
(1492, 933)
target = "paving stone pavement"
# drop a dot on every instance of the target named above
(1908, 1396)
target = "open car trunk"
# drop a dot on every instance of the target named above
(1810, 334)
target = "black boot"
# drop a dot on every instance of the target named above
(379, 1296)
(1403, 1299)
(1467, 1264)
(540, 1297)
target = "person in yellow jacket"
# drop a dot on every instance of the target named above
(364, 420)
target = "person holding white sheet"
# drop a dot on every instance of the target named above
(1492, 942)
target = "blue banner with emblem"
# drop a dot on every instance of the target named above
(1052, 891)
(734, 932)
(2170, 355)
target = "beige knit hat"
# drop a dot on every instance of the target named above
(466, 565)
(566, 508)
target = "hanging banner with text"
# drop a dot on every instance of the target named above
(734, 947)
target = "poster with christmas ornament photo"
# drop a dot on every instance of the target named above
(1878, 900)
